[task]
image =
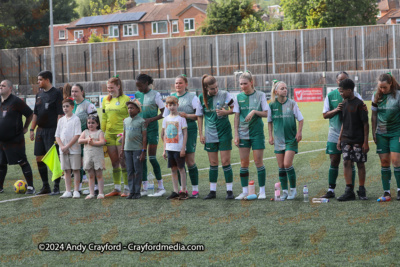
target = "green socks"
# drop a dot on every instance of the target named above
(156, 167)
(213, 173)
(262, 175)
(144, 170)
(386, 176)
(117, 176)
(194, 174)
(244, 176)
(292, 176)
(333, 174)
(228, 173)
(283, 179)
(397, 175)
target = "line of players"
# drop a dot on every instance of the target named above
(249, 107)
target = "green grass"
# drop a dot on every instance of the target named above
(233, 232)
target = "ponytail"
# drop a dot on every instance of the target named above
(206, 81)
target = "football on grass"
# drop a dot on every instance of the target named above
(20, 187)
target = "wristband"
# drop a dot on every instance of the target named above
(31, 130)
(143, 150)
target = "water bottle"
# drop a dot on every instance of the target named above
(277, 192)
(150, 185)
(252, 188)
(320, 200)
(305, 193)
(218, 106)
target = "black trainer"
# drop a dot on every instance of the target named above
(173, 195)
(362, 193)
(348, 195)
(44, 191)
(329, 194)
(211, 195)
(398, 195)
(30, 191)
(96, 192)
(131, 196)
(229, 195)
(56, 191)
(137, 196)
(1, 190)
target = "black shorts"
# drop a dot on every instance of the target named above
(175, 159)
(12, 153)
(353, 152)
(44, 140)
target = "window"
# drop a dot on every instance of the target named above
(78, 35)
(130, 30)
(189, 24)
(160, 27)
(61, 34)
(113, 31)
(175, 28)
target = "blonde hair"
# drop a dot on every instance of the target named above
(171, 100)
(275, 84)
(206, 81)
(248, 76)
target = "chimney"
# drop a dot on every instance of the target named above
(130, 4)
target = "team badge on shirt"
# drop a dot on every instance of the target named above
(117, 103)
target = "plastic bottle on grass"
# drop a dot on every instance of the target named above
(252, 188)
(305, 193)
(150, 186)
(320, 200)
(277, 192)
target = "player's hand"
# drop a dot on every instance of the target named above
(365, 107)
(339, 107)
(271, 141)
(182, 114)
(142, 156)
(183, 153)
(164, 154)
(65, 150)
(338, 146)
(222, 112)
(298, 137)
(237, 141)
(365, 148)
(202, 139)
(91, 142)
(147, 122)
(32, 135)
(249, 116)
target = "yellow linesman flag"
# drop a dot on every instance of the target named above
(53, 162)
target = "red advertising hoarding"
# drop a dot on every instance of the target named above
(308, 94)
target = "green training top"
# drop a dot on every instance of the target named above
(151, 102)
(388, 121)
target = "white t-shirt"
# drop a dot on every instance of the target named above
(173, 137)
(67, 128)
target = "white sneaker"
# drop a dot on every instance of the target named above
(76, 194)
(262, 196)
(241, 196)
(159, 193)
(292, 194)
(284, 195)
(66, 195)
(143, 192)
(85, 192)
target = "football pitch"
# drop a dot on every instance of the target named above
(245, 233)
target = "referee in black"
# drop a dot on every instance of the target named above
(47, 112)
(12, 140)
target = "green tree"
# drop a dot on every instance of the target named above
(26, 22)
(104, 7)
(301, 14)
(225, 16)
(255, 24)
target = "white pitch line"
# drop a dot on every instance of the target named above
(165, 175)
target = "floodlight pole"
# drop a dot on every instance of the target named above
(53, 67)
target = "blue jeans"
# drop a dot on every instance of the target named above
(134, 168)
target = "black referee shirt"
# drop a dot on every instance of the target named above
(47, 108)
(11, 111)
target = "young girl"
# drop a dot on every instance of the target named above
(251, 106)
(93, 159)
(218, 132)
(282, 120)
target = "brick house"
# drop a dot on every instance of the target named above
(389, 12)
(160, 19)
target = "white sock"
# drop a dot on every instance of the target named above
(213, 186)
(229, 187)
(80, 186)
(160, 184)
(96, 187)
(195, 188)
(331, 190)
(30, 187)
(245, 190)
(388, 191)
(126, 187)
(181, 189)
(145, 184)
(117, 186)
(398, 189)
(285, 191)
(262, 190)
